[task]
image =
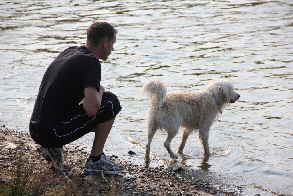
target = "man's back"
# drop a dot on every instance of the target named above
(63, 83)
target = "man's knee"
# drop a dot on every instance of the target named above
(111, 98)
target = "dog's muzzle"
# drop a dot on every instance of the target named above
(235, 98)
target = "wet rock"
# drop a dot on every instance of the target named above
(130, 152)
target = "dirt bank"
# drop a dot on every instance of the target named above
(23, 169)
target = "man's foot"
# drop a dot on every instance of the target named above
(54, 156)
(101, 166)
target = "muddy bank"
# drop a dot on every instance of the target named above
(21, 165)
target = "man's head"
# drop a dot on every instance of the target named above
(101, 37)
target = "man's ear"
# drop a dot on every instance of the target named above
(105, 43)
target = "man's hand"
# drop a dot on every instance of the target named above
(102, 90)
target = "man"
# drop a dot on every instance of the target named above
(71, 102)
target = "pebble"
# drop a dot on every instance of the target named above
(130, 152)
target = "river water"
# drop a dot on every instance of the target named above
(186, 44)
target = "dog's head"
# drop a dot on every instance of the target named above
(225, 91)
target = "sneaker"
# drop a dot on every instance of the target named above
(53, 156)
(101, 166)
(104, 158)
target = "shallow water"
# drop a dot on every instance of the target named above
(185, 44)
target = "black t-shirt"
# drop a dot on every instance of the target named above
(63, 84)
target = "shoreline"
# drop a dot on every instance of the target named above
(19, 161)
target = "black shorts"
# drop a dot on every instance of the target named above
(75, 126)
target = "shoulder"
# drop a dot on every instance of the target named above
(81, 55)
(84, 53)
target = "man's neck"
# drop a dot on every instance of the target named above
(93, 50)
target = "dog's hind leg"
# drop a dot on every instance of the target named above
(171, 134)
(151, 132)
(185, 135)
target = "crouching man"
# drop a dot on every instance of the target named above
(71, 102)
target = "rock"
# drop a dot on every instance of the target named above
(9, 145)
(130, 152)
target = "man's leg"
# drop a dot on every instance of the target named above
(101, 135)
(97, 162)
(79, 124)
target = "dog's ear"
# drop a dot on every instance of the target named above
(221, 90)
(222, 93)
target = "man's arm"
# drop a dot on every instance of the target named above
(92, 100)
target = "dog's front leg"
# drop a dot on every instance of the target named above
(204, 138)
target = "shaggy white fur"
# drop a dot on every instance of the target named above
(192, 111)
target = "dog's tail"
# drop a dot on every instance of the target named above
(157, 92)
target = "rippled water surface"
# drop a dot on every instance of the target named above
(186, 44)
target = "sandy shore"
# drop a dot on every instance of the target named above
(20, 163)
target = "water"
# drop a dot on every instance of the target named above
(186, 44)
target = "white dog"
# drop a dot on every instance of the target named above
(189, 110)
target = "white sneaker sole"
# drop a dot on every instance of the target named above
(89, 172)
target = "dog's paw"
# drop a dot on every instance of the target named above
(185, 156)
(174, 156)
(147, 164)
(206, 157)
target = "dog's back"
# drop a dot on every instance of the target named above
(167, 109)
